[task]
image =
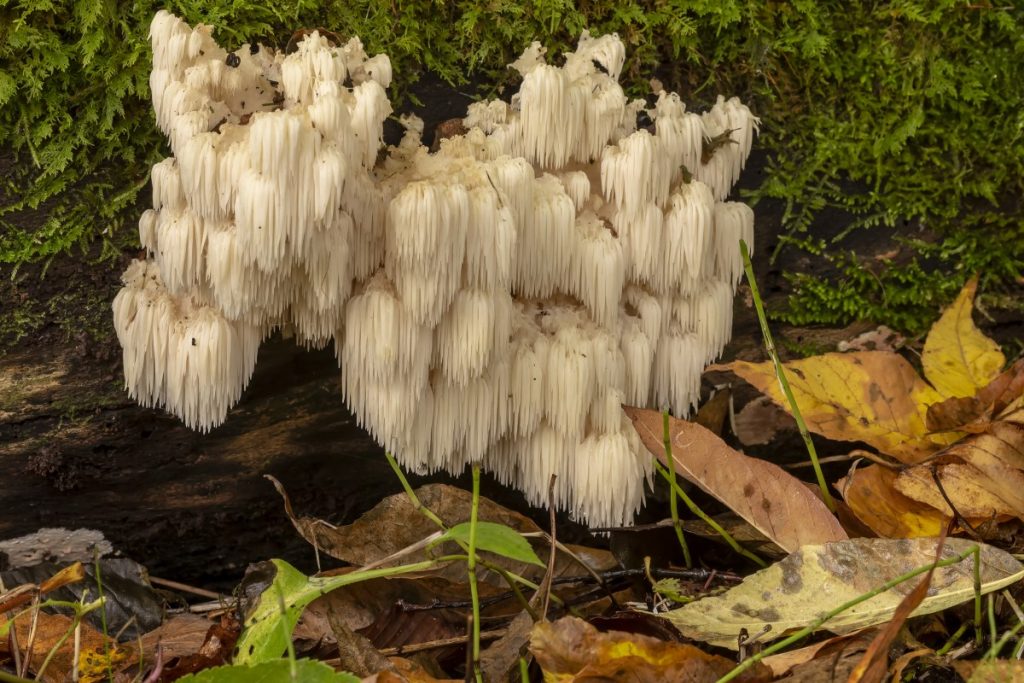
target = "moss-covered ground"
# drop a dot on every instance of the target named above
(904, 117)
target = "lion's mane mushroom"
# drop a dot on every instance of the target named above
(493, 302)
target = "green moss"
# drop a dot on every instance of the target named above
(916, 101)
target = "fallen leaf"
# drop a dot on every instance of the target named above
(881, 338)
(958, 359)
(784, 662)
(759, 421)
(570, 649)
(993, 671)
(54, 633)
(871, 494)
(833, 661)
(795, 592)
(974, 495)
(502, 656)
(875, 662)
(775, 502)
(870, 396)
(974, 414)
(712, 414)
(394, 524)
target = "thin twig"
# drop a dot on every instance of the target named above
(185, 588)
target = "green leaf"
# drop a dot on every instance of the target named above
(495, 538)
(270, 624)
(277, 671)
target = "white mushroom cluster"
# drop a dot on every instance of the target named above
(496, 301)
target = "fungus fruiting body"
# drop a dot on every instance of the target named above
(493, 302)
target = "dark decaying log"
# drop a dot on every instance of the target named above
(76, 452)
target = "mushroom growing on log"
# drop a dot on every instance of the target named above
(495, 301)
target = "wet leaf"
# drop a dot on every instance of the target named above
(871, 494)
(775, 502)
(278, 671)
(495, 538)
(870, 396)
(958, 359)
(795, 592)
(570, 649)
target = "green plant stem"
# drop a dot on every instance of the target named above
(993, 631)
(977, 601)
(471, 566)
(975, 551)
(80, 611)
(11, 678)
(420, 507)
(769, 343)
(953, 639)
(673, 503)
(998, 645)
(695, 509)
(511, 578)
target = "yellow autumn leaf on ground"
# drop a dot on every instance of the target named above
(870, 396)
(571, 650)
(817, 579)
(870, 493)
(958, 359)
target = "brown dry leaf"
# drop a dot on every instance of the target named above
(712, 414)
(972, 493)
(833, 661)
(179, 636)
(875, 662)
(760, 420)
(871, 494)
(394, 524)
(406, 671)
(974, 414)
(958, 359)
(783, 662)
(818, 579)
(501, 657)
(570, 649)
(881, 338)
(775, 502)
(994, 671)
(870, 396)
(93, 663)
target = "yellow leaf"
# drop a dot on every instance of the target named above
(958, 359)
(870, 492)
(571, 650)
(817, 579)
(870, 396)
